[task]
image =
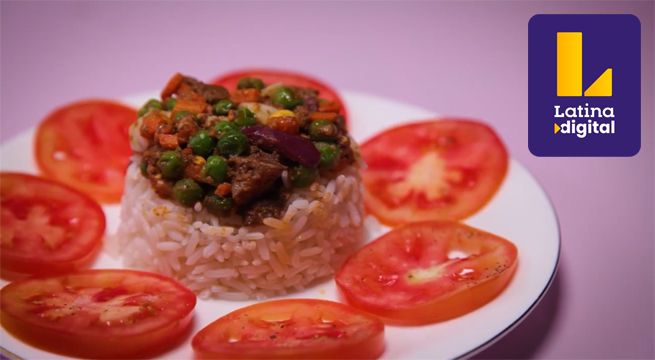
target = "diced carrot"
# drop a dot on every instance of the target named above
(318, 115)
(168, 141)
(288, 124)
(172, 85)
(192, 106)
(151, 122)
(187, 152)
(194, 171)
(330, 106)
(223, 189)
(245, 95)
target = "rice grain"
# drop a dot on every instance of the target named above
(320, 227)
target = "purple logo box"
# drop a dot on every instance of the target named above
(584, 79)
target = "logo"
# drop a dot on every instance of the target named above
(584, 79)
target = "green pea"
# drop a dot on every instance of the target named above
(144, 168)
(216, 168)
(224, 127)
(250, 83)
(302, 176)
(169, 104)
(284, 96)
(181, 114)
(187, 192)
(222, 107)
(202, 143)
(323, 130)
(217, 205)
(149, 105)
(232, 143)
(170, 165)
(245, 117)
(329, 154)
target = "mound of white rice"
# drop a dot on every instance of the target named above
(321, 226)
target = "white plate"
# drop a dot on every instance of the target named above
(520, 212)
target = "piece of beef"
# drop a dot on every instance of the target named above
(253, 175)
(186, 127)
(163, 188)
(302, 114)
(347, 155)
(211, 93)
(214, 93)
(309, 98)
(150, 157)
(193, 170)
(151, 124)
(208, 122)
(270, 206)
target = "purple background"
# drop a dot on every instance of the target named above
(607, 41)
(467, 59)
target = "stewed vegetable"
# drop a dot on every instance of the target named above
(170, 165)
(248, 83)
(232, 143)
(285, 98)
(302, 176)
(224, 127)
(223, 107)
(329, 154)
(245, 117)
(187, 192)
(229, 150)
(217, 205)
(202, 144)
(180, 115)
(169, 104)
(151, 104)
(323, 130)
(216, 168)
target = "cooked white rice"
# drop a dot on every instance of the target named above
(321, 226)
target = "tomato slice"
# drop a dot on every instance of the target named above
(98, 313)
(86, 145)
(47, 228)
(292, 329)
(269, 77)
(433, 170)
(427, 272)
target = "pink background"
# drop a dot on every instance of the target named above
(467, 59)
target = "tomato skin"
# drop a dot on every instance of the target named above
(271, 76)
(20, 194)
(22, 320)
(465, 162)
(376, 279)
(85, 144)
(349, 333)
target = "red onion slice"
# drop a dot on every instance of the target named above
(293, 147)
